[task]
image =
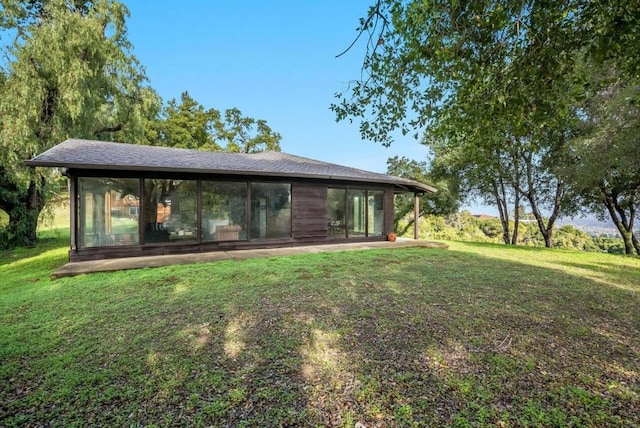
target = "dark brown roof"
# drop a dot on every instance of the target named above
(88, 154)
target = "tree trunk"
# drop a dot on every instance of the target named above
(23, 211)
(516, 217)
(499, 195)
(517, 197)
(636, 243)
(623, 223)
(545, 229)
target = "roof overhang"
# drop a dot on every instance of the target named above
(107, 156)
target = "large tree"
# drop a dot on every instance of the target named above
(604, 156)
(494, 74)
(188, 124)
(67, 71)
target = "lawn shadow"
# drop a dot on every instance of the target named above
(406, 337)
(494, 344)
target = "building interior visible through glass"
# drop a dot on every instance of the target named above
(355, 212)
(109, 211)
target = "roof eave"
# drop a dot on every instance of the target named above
(399, 187)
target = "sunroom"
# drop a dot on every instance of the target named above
(131, 200)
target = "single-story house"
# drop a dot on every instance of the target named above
(132, 200)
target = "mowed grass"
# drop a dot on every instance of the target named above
(477, 335)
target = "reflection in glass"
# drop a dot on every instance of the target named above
(356, 219)
(224, 211)
(270, 210)
(170, 210)
(336, 208)
(375, 212)
(108, 211)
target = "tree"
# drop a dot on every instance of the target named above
(445, 201)
(483, 171)
(188, 124)
(486, 72)
(246, 135)
(605, 154)
(68, 72)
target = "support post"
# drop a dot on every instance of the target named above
(73, 211)
(416, 215)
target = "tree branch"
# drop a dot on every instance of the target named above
(107, 129)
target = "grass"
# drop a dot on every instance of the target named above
(477, 335)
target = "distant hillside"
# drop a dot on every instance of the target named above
(592, 226)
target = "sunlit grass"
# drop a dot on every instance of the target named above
(478, 335)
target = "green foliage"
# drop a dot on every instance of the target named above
(465, 227)
(604, 155)
(444, 201)
(497, 85)
(246, 135)
(185, 125)
(67, 73)
(570, 237)
(20, 231)
(477, 335)
(189, 125)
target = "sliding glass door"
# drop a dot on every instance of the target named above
(355, 212)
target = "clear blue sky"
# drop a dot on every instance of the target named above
(274, 60)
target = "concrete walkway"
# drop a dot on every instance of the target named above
(108, 265)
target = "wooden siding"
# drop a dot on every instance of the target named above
(308, 211)
(389, 211)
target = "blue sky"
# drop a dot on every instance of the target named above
(274, 60)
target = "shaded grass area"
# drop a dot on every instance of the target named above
(473, 336)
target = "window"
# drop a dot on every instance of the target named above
(170, 212)
(336, 209)
(224, 211)
(270, 210)
(375, 212)
(355, 212)
(107, 211)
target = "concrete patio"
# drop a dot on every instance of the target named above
(108, 265)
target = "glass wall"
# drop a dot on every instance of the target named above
(224, 211)
(108, 211)
(270, 210)
(375, 212)
(355, 212)
(336, 210)
(356, 215)
(170, 212)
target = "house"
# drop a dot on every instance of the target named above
(132, 200)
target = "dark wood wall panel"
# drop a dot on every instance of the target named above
(308, 211)
(389, 210)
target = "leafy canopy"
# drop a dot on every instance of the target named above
(67, 71)
(188, 124)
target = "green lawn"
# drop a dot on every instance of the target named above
(477, 335)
